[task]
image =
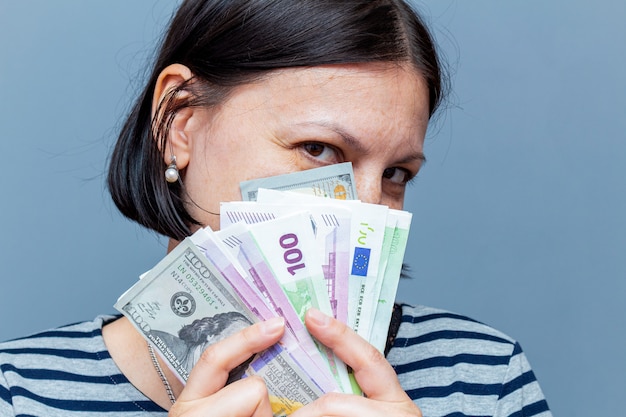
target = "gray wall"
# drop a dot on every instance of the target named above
(520, 212)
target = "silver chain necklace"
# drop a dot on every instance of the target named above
(166, 384)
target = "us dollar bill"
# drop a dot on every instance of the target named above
(183, 297)
(332, 181)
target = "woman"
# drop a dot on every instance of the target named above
(247, 89)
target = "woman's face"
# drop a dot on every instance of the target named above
(372, 115)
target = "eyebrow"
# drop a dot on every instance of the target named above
(354, 143)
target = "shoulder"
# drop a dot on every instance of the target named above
(65, 336)
(433, 338)
(70, 336)
(65, 370)
(451, 363)
(33, 368)
(424, 325)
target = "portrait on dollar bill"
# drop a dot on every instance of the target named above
(193, 338)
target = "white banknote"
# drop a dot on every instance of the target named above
(290, 248)
(214, 249)
(369, 252)
(389, 285)
(242, 245)
(331, 227)
(333, 224)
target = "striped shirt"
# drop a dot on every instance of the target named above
(448, 364)
(454, 366)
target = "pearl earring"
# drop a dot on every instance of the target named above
(171, 173)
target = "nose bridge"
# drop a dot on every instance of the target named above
(368, 185)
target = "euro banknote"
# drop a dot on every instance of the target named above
(242, 246)
(215, 250)
(288, 242)
(371, 230)
(389, 285)
(331, 228)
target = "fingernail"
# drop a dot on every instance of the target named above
(273, 325)
(318, 317)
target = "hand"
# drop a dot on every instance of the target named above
(205, 393)
(384, 395)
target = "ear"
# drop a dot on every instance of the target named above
(177, 142)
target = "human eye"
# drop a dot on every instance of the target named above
(322, 152)
(399, 176)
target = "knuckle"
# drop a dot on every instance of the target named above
(339, 332)
(411, 410)
(252, 390)
(249, 335)
(326, 401)
(211, 355)
(372, 356)
(257, 386)
(333, 396)
(414, 413)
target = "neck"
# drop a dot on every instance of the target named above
(129, 351)
(171, 244)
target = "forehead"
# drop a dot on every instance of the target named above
(372, 99)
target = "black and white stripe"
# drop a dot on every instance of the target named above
(451, 365)
(67, 372)
(448, 364)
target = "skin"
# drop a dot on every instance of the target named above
(373, 115)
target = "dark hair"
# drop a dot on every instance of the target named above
(228, 43)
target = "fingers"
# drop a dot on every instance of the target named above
(374, 374)
(211, 372)
(244, 398)
(335, 404)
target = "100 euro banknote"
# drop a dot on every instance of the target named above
(289, 248)
(216, 251)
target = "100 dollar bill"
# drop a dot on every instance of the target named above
(332, 181)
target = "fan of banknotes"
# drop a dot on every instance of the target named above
(297, 241)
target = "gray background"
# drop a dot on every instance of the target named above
(520, 213)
